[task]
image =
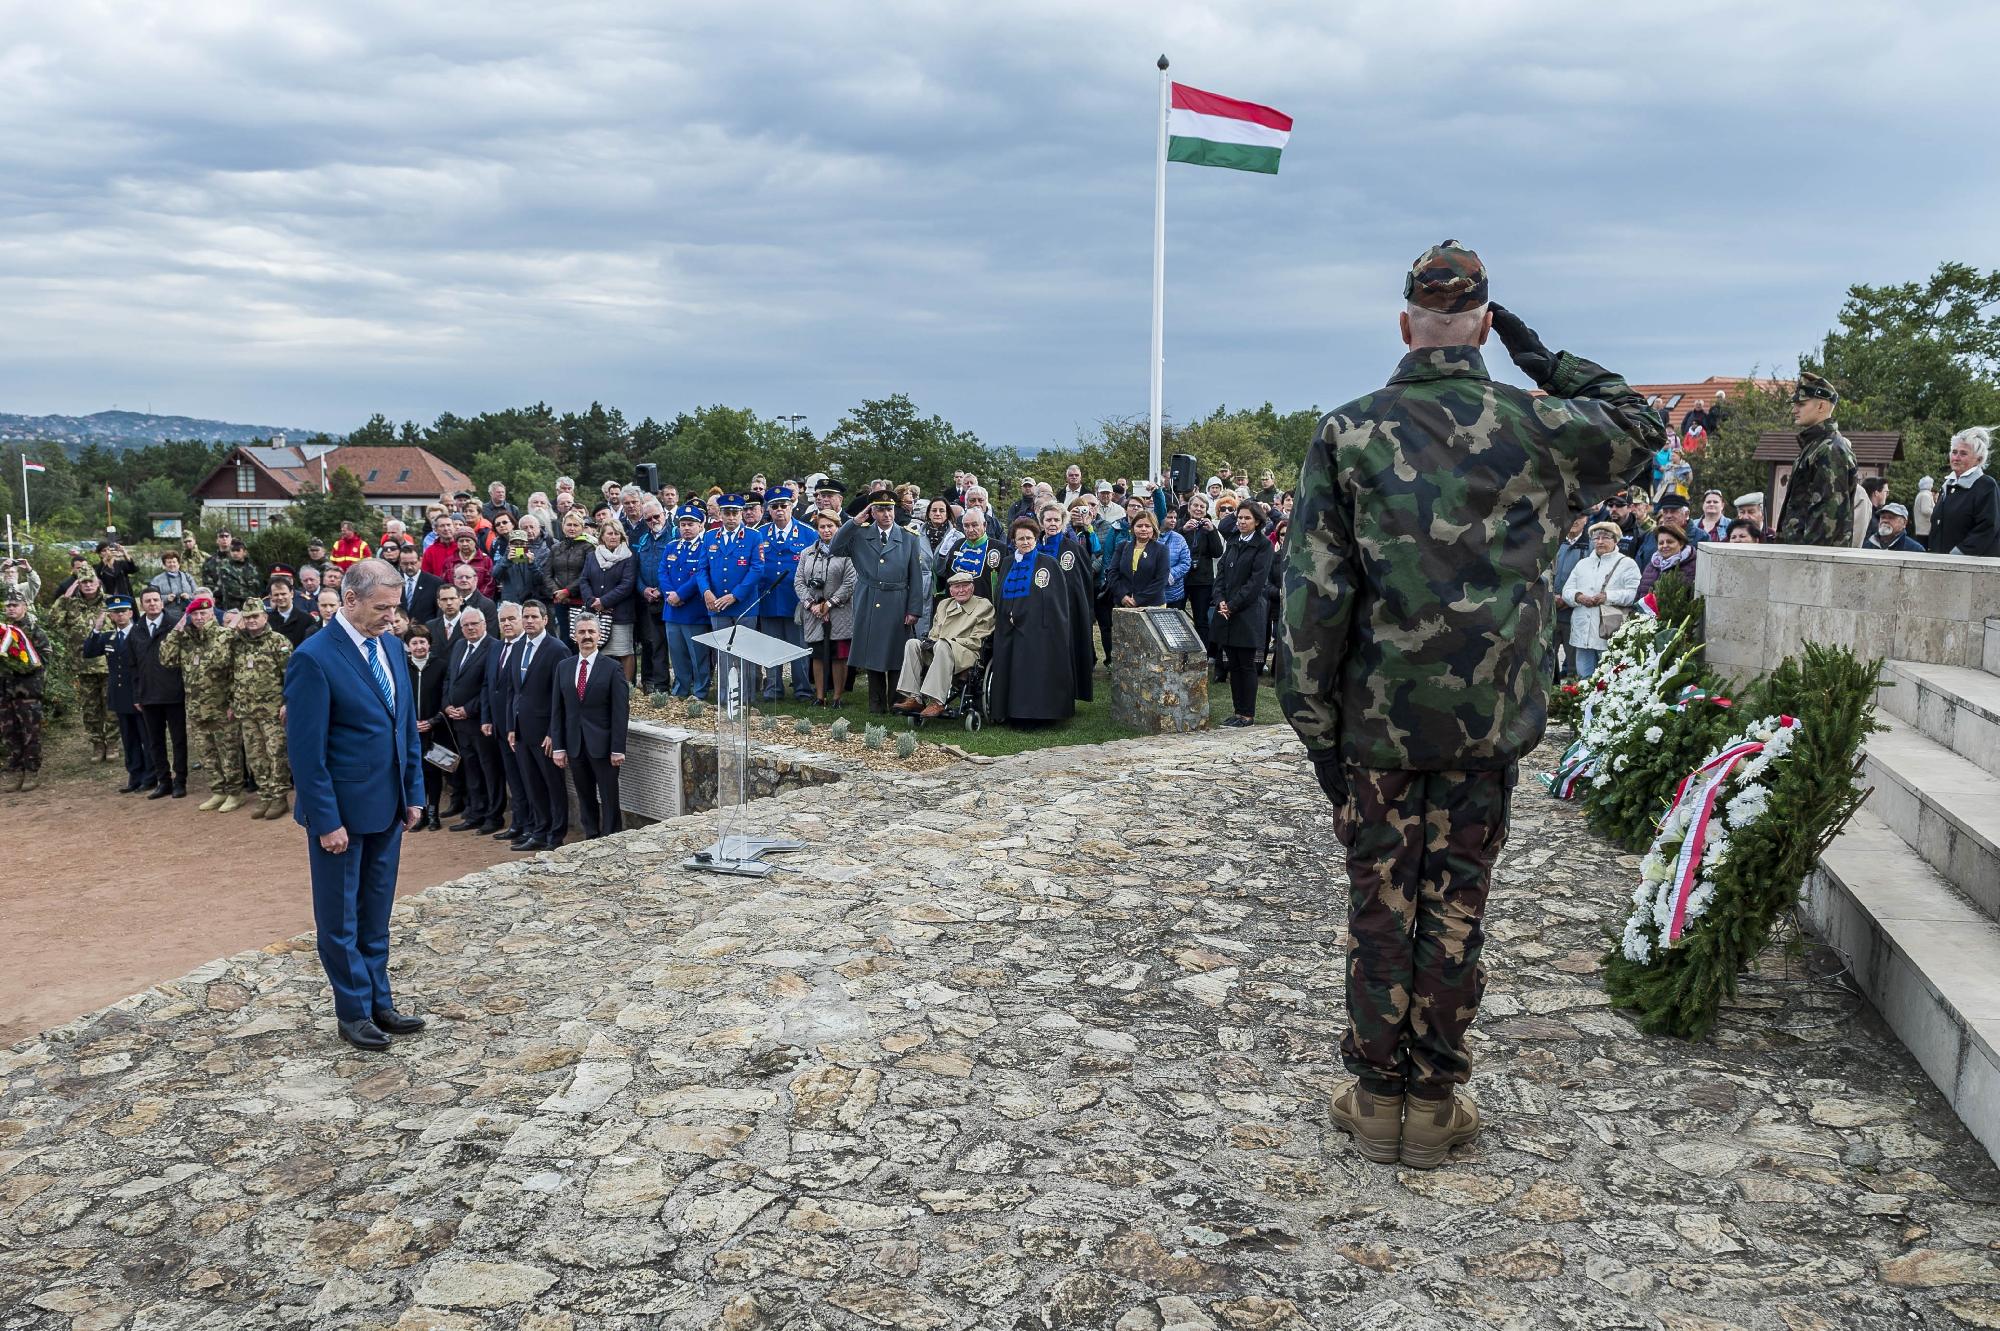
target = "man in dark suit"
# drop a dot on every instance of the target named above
(498, 707)
(157, 692)
(418, 596)
(466, 579)
(288, 619)
(351, 734)
(591, 703)
(466, 671)
(537, 665)
(107, 639)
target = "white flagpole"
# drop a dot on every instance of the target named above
(1159, 275)
(27, 518)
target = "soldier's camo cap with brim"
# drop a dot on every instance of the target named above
(1447, 278)
(1814, 385)
(253, 606)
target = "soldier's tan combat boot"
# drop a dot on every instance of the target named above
(1374, 1121)
(263, 809)
(281, 804)
(232, 804)
(1432, 1127)
(212, 803)
(32, 780)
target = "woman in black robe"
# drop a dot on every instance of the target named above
(1060, 543)
(1034, 674)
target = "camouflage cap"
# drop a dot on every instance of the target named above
(1447, 278)
(254, 606)
(1814, 385)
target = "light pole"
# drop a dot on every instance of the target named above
(793, 420)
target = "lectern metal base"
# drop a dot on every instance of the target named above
(738, 855)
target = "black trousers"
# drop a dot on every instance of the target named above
(485, 784)
(167, 734)
(596, 794)
(513, 768)
(1199, 601)
(878, 691)
(138, 753)
(548, 792)
(655, 670)
(1242, 679)
(1104, 626)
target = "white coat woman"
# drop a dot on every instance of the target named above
(1601, 578)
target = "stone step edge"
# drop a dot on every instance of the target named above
(1974, 690)
(1907, 934)
(1989, 657)
(1964, 794)
(1910, 692)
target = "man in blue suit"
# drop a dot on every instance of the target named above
(351, 732)
(730, 577)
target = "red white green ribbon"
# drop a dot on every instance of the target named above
(1711, 776)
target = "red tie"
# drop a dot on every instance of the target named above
(582, 674)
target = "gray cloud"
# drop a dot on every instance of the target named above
(311, 213)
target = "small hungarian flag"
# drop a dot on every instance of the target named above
(29, 464)
(1210, 130)
(107, 490)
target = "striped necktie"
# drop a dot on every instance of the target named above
(381, 675)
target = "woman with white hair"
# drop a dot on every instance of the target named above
(1602, 578)
(1966, 520)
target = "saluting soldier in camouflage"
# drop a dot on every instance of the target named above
(198, 647)
(71, 619)
(256, 694)
(1417, 594)
(1819, 503)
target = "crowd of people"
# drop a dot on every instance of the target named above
(528, 627)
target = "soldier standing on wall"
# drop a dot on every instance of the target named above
(1428, 516)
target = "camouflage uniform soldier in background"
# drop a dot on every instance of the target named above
(236, 579)
(198, 647)
(1819, 504)
(73, 618)
(21, 696)
(256, 694)
(1417, 598)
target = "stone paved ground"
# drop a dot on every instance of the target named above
(965, 1071)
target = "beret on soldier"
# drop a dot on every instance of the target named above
(1814, 385)
(1447, 278)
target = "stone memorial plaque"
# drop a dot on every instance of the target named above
(1174, 629)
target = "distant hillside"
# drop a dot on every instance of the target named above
(119, 429)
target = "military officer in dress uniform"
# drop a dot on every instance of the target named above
(682, 612)
(891, 592)
(777, 614)
(107, 643)
(730, 577)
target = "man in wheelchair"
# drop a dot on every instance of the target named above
(961, 626)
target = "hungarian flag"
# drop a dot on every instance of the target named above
(30, 464)
(1210, 130)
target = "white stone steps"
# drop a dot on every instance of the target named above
(1927, 959)
(1990, 657)
(1956, 706)
(1944, 806)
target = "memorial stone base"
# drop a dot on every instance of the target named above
(1159, 673)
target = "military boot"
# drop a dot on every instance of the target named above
(20, 779)
(233, 803)
(263, 809)
(212, 803)
(281, 804)
(32, 780)
(1432, 1127)
(1374, 1121)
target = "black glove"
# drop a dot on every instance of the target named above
(1524, 345)
(1331, 779)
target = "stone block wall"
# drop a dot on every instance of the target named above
(1765, 601)
(771, 770)
(1154, 691)
(649, 792)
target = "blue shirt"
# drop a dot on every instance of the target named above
(1020, 579)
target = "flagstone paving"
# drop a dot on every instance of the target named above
(1041, 1044)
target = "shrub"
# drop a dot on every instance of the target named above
(906, 744)
(803, 725)
(840, 728)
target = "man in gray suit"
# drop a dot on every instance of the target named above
(890, 590)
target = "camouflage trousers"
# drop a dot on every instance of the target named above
(264, 746)
(1420, 847)
(219, 741)
(98, 727)
(21, 733)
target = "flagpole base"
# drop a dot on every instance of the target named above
(740, 856)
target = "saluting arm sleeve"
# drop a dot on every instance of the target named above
(1604, 433)
(1322, 578)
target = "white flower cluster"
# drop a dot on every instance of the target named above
(1741, 802)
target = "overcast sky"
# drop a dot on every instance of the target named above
(298, 214)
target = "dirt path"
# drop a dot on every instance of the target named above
(104, 894)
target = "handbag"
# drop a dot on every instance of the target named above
(441, 758)
(1610, 618)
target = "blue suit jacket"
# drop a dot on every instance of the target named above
(781, 561)
(733, 568)
(354, 765)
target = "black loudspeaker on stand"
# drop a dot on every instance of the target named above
(1183, 473)
(646, 475)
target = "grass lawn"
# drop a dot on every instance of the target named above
(1091, 724)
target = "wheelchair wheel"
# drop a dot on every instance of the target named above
(973, 720)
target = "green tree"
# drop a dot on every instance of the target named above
(726, 446)
(1920, 357)
(1727, 460)
(320, 515)
(886, 437)
(157, 494)
(377, 433)
(517, 464)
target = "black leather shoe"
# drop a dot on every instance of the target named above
(160, 792)
(489, 829)
(453, 812)
(364, 1034)
(180, 791)
(129, 787)
(396, 1023)
(524, 843)
(465, 825)
(510, 834)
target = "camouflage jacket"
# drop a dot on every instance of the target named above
(70, 620)
(235, 583)
(1418, 570)
(202, 657)
(257, 672)
(1819, 503)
